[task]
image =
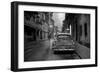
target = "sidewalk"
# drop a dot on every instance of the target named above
(83, 51)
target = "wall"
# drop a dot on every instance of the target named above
(5, 32)
(85, 19)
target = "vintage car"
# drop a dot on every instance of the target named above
(63, 45)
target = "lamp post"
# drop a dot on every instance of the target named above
(50, 30)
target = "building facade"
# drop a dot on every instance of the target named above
(36, 26)
(37, 32)
(80, 27)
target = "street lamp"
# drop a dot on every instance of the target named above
(50, 30)
(50, 26)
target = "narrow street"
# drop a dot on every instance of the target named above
(42, 51)
(56, 36)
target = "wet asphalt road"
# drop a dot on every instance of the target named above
(42, 51)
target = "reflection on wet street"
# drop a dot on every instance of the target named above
(56, 36)
(42, 51)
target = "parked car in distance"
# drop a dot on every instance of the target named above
(63, 45)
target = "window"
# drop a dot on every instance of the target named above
(85, 29)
